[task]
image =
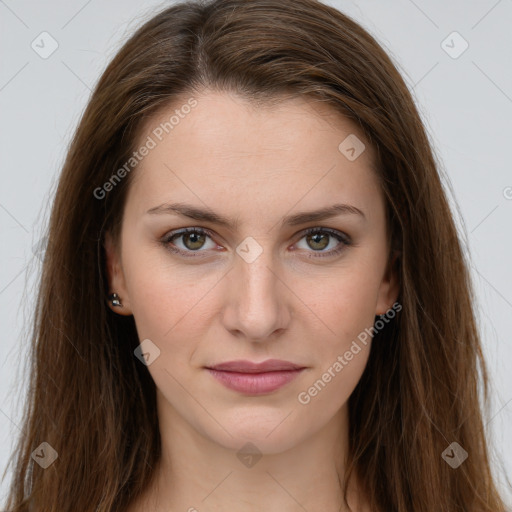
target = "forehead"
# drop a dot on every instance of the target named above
(230, 125)
(224, 148)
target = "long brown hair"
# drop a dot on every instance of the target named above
(95, 406)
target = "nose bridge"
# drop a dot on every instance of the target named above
(255, 306)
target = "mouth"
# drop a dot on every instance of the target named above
(255, 378)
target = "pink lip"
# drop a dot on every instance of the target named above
(255, 378)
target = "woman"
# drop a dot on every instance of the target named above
(253, 296)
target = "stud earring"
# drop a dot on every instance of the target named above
(115, 300)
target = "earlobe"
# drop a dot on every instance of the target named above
(118, 299)
(390, 286)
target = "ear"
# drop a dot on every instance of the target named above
(116, 280)
(390, 286)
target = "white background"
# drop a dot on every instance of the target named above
(466, 103)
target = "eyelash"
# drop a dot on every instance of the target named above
(344, 240)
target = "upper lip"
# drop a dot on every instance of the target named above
(243, 366)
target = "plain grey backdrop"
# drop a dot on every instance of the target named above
(456, 58)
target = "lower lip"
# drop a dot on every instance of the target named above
(255, 383)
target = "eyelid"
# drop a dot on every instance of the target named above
(342, 237)
(176, 233)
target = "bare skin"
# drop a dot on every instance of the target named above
(299, 300)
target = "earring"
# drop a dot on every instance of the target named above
(115, 300)
(379, 318)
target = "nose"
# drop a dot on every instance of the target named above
(257, 306)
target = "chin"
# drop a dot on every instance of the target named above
(270, 433)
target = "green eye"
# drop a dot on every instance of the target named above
(319, 239)
(193, 241)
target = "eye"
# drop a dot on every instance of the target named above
(195, 240)
(189, 240)
(319, 239)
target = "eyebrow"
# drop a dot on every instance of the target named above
(208, 215)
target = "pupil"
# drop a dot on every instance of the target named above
(194, 238)
(316, 240)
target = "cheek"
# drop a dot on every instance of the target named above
(166, 301)
(343, 301)
(329, 389)
(342, 347)
(345, 304)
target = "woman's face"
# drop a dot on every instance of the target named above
(249, 282)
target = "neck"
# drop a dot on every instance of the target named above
(197, 474)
